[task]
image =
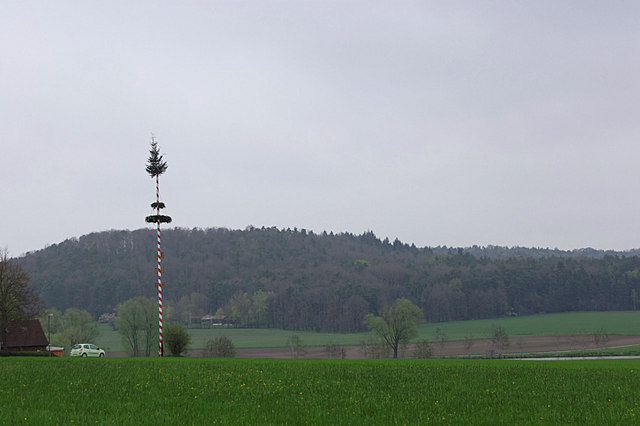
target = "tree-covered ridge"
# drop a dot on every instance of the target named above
(295, 279)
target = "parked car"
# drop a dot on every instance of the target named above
(86, 349)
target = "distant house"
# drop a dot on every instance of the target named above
(215, 320)
(25, 336)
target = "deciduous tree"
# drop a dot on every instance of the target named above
(73, 326)
(499, 339)
(18, 301)
(137, 324)
(189, 307)
(397, 325)
(296, 346)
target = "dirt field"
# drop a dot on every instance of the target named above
(526, 344)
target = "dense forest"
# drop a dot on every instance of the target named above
(294, 279)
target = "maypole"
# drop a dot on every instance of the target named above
(156, 167)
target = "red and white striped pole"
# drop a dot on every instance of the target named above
(155, 167)
(159, 255)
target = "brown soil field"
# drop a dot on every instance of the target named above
(517, 344)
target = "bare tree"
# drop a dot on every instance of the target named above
(499, 339)
(333, 350)
(601, 338)
(18, 300)
(468, 343)
(296, 346)
(441, 337)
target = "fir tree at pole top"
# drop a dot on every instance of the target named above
(155, 166)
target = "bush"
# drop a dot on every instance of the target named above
(372, 348)
(176, 338)
(221, 347)
(600, 337)
(422, 349)
(334, 350)
(296, 346)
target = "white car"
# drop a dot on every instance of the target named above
(86, 349)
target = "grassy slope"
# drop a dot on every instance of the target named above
(241, 391)
(534, 325)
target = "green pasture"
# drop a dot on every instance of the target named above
(273, 338)
(627, 323)
(616, 322)
(249, 391)
(242, 337)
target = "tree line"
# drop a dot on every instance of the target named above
(300, 280)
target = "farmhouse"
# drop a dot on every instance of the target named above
(215, 320)
(25, 336)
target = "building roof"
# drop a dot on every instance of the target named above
(214, 317)
(25, 334)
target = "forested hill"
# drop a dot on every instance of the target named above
(300, 280)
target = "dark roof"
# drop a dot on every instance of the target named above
(26, 334)
(214, 317)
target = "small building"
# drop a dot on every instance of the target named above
(215, 320)
(55, 350)
(25, 336)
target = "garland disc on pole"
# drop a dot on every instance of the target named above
(158, 218)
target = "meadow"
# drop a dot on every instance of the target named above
(265, 391)
(625, 323)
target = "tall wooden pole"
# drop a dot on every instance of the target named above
(159, 284)
(155, 167)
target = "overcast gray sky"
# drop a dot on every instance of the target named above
(437, 122)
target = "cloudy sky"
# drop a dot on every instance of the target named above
(436, 122)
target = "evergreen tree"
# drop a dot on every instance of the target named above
(155, 165)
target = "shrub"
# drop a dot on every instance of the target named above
(334, 350)
(177, 338)
(296, 346)
(422, 349)
(221, 347)
(600, 337)
(372, 348)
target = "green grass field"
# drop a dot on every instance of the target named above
(249, 391)
(627, 323)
